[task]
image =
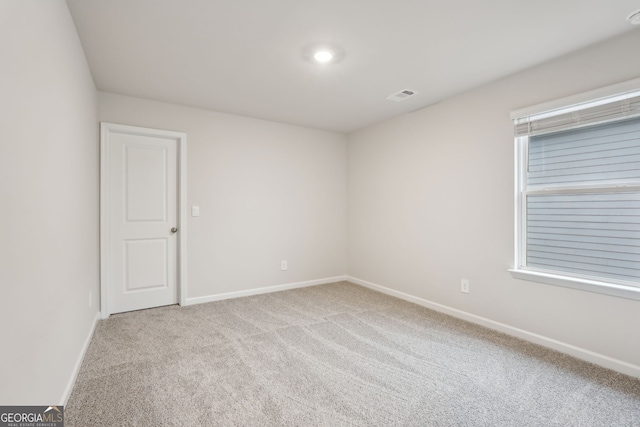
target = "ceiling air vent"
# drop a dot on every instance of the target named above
(402, 95)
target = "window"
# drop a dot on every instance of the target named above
(578, 193)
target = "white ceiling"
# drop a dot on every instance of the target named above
(246, 56)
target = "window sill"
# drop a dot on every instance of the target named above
(612, 289)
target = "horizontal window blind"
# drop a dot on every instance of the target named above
(589, 114)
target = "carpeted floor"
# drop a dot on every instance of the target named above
(333, 355)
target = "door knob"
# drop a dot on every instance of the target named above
(174, 230)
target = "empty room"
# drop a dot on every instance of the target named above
(320, 213)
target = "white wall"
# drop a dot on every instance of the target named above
(49, 201)
(267, 191)
(431, 201)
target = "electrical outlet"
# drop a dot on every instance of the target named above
(464, 286)
(283, 265)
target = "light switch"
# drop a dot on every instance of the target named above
(195, 210)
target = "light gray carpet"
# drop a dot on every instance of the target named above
(333, 355)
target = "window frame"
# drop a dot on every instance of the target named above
(521, 191)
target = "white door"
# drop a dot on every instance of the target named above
(142, 208)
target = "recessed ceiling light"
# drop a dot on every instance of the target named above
(323, 53)
(323, 56)
(634, 17)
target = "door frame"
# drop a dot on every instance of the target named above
(105, 217)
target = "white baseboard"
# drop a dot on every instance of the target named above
(76, 368)
(577, 352)
(265, 290)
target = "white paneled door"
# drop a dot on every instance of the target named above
(140, 190)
